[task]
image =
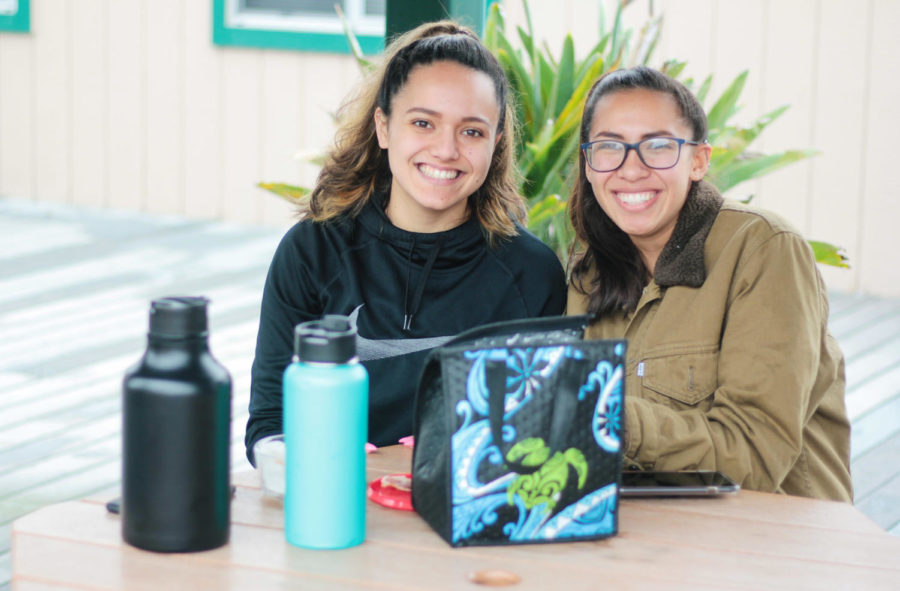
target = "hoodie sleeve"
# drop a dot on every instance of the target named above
(555, 303)
(543, 281)
(290, 296)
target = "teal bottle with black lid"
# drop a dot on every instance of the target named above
(326, 408)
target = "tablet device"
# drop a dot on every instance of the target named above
(699, 483)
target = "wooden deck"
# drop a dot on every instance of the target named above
(75, 286)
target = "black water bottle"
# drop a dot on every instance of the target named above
(176, 411)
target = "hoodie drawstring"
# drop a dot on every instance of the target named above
(410, 311)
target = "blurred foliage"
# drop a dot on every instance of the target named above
(292, 193)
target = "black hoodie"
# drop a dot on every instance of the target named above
(408, 293)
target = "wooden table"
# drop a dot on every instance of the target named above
(747, 541)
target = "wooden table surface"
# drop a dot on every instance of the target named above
(746, 541)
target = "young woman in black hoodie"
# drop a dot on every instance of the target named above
(413, 228)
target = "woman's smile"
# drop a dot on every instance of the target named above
(635, 199)
(436, 173)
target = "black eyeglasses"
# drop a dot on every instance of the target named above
(655, 152)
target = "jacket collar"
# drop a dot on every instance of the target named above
(681, 261)
(457, 245)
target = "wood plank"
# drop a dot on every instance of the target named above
(40, 586)
(582, 22)
(89, 95)
(127, 132)
(790, 29)
(203, 122)
(852, 301)
(40, 282)
(733, 50)
(99, 476)
(96, 330)
(24, 238)
(840, 81)
(875, 427)
(29, 454)
(851, 321)
(241, 134)
(318, 109)
(164, 35)
(5, 570)
(873, 335)
(281, 112)
(50, 31)
(883, 504)
(838, 300)
(687, 35)
(869, 391)
(878, 269)
(875, 468)
(96, 567)
(46, 386)
(634, 555)
(17, 165)
(61, 465)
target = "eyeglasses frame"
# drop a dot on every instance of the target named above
(634, 146)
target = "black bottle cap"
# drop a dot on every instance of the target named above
(329, 340)
(178, 317)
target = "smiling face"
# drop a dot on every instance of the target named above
(642, 201)
(440, 138)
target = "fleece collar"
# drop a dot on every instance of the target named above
(681, 261)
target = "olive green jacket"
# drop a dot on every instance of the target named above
(730, 364)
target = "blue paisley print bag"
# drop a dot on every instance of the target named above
(518, 434)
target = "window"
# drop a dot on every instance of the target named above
(311, 25)
(14, 15)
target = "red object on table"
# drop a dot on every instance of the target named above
(392, 491)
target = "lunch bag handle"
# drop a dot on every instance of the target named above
(568, 380)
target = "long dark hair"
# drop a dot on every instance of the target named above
(602, 247)
(357, 167)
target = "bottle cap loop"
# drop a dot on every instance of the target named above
(178, 317)
(329, 340)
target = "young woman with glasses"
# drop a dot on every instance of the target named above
(730, 363)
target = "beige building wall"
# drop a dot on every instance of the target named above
(127, 104)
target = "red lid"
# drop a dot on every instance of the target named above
(393, 491)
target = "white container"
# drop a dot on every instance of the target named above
(269, 454)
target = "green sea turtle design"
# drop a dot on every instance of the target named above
(545, 485)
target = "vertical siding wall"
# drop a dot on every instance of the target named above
(127, 104)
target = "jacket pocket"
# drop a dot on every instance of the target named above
(685, 379)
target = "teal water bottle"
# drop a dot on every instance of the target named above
(326, 407)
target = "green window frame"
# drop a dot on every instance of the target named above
(15, 16)
(223, 34)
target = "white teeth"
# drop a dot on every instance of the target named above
(438, 174)
(634, 198)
